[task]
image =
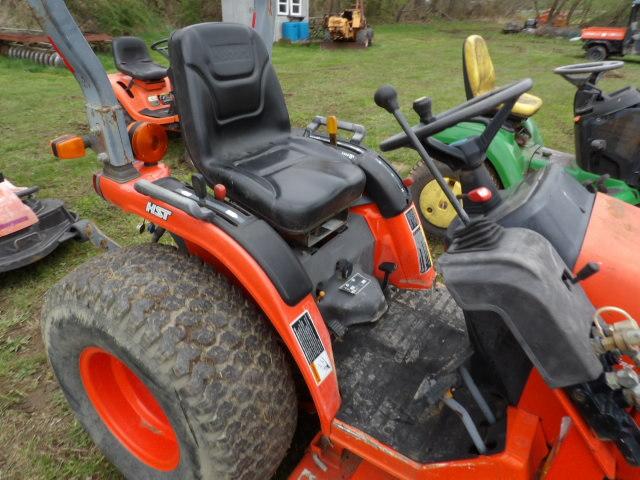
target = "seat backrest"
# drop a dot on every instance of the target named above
(227, 94)
(479, 74)
(128, 50)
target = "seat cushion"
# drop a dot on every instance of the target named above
(144, 70)
(132, 57)
(527, 105)
(295, 185)
(236, 127)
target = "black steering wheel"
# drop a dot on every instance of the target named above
(581, 74)
(467, 156)
(503, 98)
(162, 47)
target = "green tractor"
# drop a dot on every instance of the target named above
(606, 158)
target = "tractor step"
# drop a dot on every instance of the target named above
(393, 373)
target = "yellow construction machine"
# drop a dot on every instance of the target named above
(349, 26)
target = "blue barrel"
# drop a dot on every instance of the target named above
(303, 30)
(290, 31)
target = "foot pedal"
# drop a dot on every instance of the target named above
(337, 328)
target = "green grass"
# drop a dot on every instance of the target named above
(39, 437)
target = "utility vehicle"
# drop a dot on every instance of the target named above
(607, 157)
(603, 42)
(306, 279)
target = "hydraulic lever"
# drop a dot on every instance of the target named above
(386, 97)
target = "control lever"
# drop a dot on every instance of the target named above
(422, 106)
(388, 268)
(585, 272)
(199, 187)
(386, 97)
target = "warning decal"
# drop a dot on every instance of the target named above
(355, 284)
(424, 256)
(312, 347)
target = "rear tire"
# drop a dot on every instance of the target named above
(202, 349)
(597, 53)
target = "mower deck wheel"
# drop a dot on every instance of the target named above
(172, 371)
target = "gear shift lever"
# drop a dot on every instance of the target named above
(386, 97)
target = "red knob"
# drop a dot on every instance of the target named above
(220, 191)
(480, 195)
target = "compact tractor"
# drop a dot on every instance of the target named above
(299, 279)
(603, 42)
(607, 156)
(142, 86)
(349, 26)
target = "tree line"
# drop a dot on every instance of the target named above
(134, 16)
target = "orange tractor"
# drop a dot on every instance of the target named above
(142, 86)
(299, 280)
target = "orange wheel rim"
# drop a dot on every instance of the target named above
(129, 409)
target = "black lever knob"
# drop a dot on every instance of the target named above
(585, 272)
(386, 97)
(388, 268)
(422, 107)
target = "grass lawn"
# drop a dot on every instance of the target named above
(39, 437)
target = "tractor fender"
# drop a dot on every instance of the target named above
(592, 43)
(214, 246)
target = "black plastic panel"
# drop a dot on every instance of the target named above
(524, 281)
(552, 203)
(264, 244)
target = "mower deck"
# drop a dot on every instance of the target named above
(54, 227)
(393, 372)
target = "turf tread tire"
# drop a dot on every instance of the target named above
(201, 346)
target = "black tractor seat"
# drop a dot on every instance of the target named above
(132, 57)
(236, 127)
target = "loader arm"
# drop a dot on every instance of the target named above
(109, 136)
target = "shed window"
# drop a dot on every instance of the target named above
(295, 8)
(291, 8)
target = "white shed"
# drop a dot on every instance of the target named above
(250, 12)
